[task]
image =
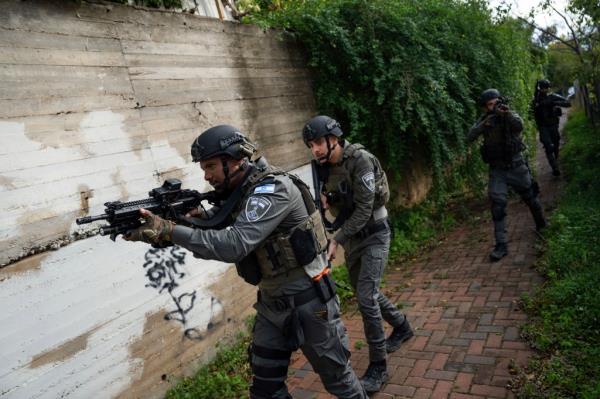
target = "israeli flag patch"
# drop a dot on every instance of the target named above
(256, 208)
(369, 180)
(265, 189)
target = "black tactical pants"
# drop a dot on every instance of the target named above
(519, 178)
(366, 260)
(322, 338)
(550, 138)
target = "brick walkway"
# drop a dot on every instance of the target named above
(464, 309)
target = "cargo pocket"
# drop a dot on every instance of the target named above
(331, 343)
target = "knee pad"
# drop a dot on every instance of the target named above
(498, 210)
(268, 376)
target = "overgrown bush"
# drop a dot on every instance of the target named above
(403, 76)
(227, 376)
(565, 324)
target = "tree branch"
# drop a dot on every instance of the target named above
(569, 25)
(576, 49)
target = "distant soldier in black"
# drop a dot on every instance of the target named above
(547, 110)
(502, 150)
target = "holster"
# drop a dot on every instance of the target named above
(249, 269)
(325, 288)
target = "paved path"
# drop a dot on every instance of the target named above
(465, 311)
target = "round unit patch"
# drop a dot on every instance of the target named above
(256, 208)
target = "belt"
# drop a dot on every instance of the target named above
(371, 229)
(510, 165)
(285, 302)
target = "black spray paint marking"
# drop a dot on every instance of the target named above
(164, 271)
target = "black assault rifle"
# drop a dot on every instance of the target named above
(320, 174)
(168, 201)
(317, 184)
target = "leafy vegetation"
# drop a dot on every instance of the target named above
(228, 376)
(565, 323)
(403, 76)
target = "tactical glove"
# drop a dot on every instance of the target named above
(155, 230)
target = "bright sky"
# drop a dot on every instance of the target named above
(523, 7)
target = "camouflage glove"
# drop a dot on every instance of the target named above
(155, 230)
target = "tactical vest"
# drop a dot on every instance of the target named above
(500, 145)
(546, 111)
(340, 180)
(284, 251)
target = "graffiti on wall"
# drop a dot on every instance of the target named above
(164, 270)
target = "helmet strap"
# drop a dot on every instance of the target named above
(225, 173)
(330, 148)
(228, 176)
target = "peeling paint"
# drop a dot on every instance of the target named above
(63, 352)
(29, 264)
(165, 356)
(118, 181)
(171, 173)
(85, 194)
(6, 182)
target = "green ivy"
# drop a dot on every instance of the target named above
(403, 76)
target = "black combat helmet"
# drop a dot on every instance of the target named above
(221, 140)
(488, 95)
(544, 84)
(320, 126)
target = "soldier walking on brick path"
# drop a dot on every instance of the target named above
(275, 236)
(353, 186)
(502, 150)
(547, 110)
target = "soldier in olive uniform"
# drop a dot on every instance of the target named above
(502, 150)
(354, 188)
(547, 110)
(276, 237)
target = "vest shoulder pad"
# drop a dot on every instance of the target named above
(354, 150)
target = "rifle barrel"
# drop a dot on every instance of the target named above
(90, 219)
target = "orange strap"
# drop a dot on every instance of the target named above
(325, 271)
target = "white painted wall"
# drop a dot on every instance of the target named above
(93, 287)
(99, 103)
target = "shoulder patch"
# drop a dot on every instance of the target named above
(369, 181)
(265, 189)
(257, 207)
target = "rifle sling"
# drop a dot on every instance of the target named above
(218, 220)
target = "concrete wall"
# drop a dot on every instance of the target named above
(101, 102)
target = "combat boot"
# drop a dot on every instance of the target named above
(499, 252)
(540, 222)
(375, 376)
(398, 336)
(538, 214)
(554, 165)
(556, 172)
